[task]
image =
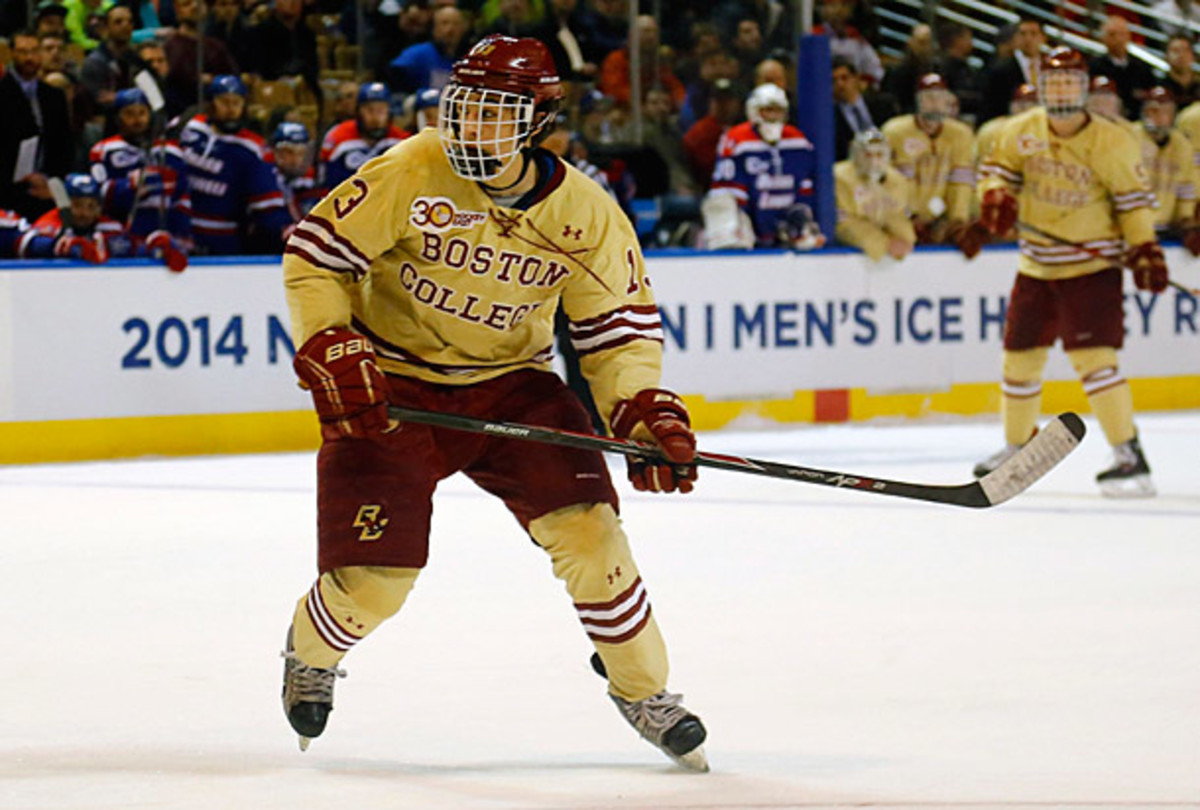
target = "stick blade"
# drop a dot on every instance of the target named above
(58, 191)
(1039, 456)
(149, 87)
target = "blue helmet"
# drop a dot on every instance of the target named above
(81, 185)
(291, 132)
(427, 98)
(373, 91)
(129, 96)
(225, 84)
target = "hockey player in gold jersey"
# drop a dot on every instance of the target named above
(872, 200)
(1024, 98)
(1167, 156)
(1079, 179)
(430, 279)
(934, 151)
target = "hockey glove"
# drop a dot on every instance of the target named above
(161, 246)
(998, 211)
(348, 388)
(1191, 240)
(970, 239)
(154, 180)
(658, 415)
(1149, 266)
(76, 247)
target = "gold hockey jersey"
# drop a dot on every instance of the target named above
(1089, 191)
(1188, 122)
(941, 169)
(869, 214)
(985, 138)
(1172, 172)
(454, 288)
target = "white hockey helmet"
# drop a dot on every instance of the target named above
(763, 96)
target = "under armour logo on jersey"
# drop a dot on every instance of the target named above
(572, 233)
(615, 575)
(372, 521)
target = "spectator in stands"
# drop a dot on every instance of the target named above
(58, 72)
(567, 32)
(516, 18)
(292, 152)
(901, 80)
(51, 18)
(615, 71)
(283, 45)
(660, 133)
(855, 112)
(872, 200)
(612, 26)
(955, 43)
(1006, 74)
(1133, 77)
(229, 25)
(1104, 101)
(78, 21)
(32, 110)
(112, 65)
(155, 57)
(765, 168)
(181, 49)
(352, 143)
(237, 204)
(846, 41)
(705, 39)
(427, 64)
(1024, 98)
(142, 184)
(935, 152)
(1181, 77)
(702, 138)
(596, 124)
(1169, 161)
(747, 47)
(715, 65)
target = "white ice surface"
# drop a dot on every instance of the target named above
(844, 649)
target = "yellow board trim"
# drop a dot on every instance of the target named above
(293, 431)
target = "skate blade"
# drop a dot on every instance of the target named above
(1139, 486)
(304, 742)
(694, 760)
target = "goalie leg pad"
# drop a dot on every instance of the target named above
(590, 554)
(343, 606)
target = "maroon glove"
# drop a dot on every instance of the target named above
(970, 239)
(1191, 240)
(162, 246)
(349, 390)
(659, 415)
(76, 247)
(998, 211)
(1149, 266)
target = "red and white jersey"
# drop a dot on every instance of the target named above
(345, 148)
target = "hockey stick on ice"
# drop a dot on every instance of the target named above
(1051, 445)
(1025, 226)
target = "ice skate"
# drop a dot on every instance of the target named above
(996, 459)
(307, 694)
(1129, 475)
(664, 722)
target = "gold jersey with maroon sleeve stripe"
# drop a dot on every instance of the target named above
(454, 288)
(940, 168)
(1089, 190)
(1172, 173)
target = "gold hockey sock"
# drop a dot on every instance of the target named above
(591, 555)
(1022, 393)
(343, 606)
(1107, 391)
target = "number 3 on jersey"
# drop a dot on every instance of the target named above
(342, 209)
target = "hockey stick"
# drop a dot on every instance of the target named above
(1036, 458)
(1024, 226)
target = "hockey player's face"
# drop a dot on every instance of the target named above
(1158, 117)
(85, 211)
(134, 120)
(1064, 92)
(936, 106)
(229, 107)
(374, 116)
(292, 158)
(483, 131)
(487, 125)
